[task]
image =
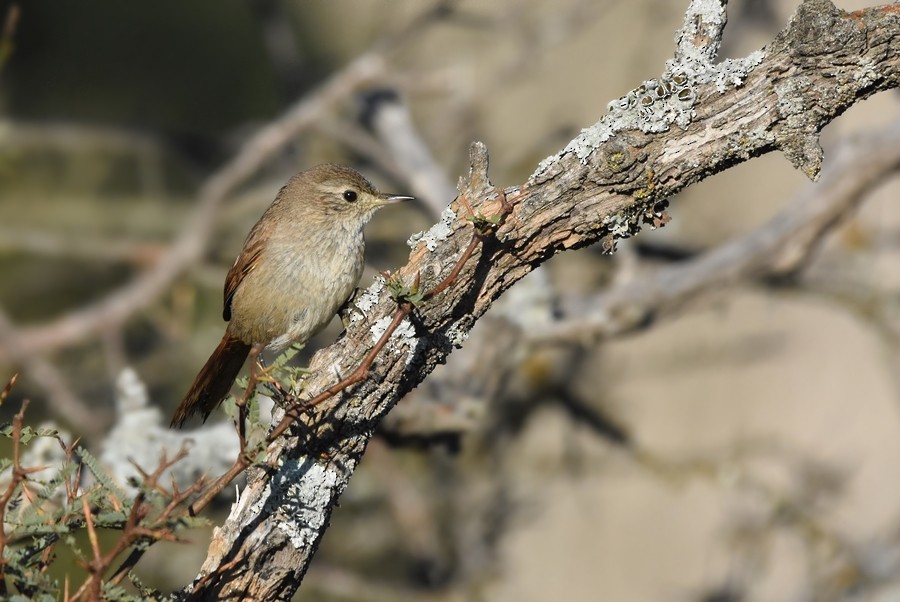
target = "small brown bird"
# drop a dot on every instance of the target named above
(299, 265)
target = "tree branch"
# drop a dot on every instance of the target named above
(697, 119)
(781, 246)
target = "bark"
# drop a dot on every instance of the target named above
(611, 181)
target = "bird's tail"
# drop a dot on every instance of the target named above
(214, 381)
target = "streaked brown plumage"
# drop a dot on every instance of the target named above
(300, 263)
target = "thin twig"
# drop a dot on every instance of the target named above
(18, 476)
(225, 567)
(218, 485)
(94, 582)
(134, 529)
(178, 498)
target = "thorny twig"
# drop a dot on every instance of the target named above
(95, 567)
(135, 528)
(176, 499)
(19, 476)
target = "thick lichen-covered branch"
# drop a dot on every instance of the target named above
(698, 119)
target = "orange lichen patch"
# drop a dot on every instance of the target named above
(885, 10)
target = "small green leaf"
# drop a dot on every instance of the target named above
(101, 475)
(287, 355)
(404, 293)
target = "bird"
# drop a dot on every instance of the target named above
(299, 265)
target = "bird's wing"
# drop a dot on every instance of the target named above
(243, 265)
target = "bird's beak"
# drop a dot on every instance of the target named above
(390, 199)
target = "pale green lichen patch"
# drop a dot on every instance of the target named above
(458, 333)
(294, 498)
(629, 221)
(366, 300)
(658, 103)
(403, 338)
(867, 74)
(438, 232)
(743, 145)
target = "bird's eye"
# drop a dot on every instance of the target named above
(349, 196)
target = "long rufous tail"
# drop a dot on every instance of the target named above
(214, 381)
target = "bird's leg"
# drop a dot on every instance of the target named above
(259, 366)
(279, 393)
(347, 307)
(256, 360)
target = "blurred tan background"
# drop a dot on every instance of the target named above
(751, 443)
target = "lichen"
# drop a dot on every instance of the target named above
(619, 225)
(438, 232)
(297, 497)
(791, 100)
(403, 338)
(458, 334)
(710, 16)
(867, 73)
(367, 299)
(629, 221)
(657, 104)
